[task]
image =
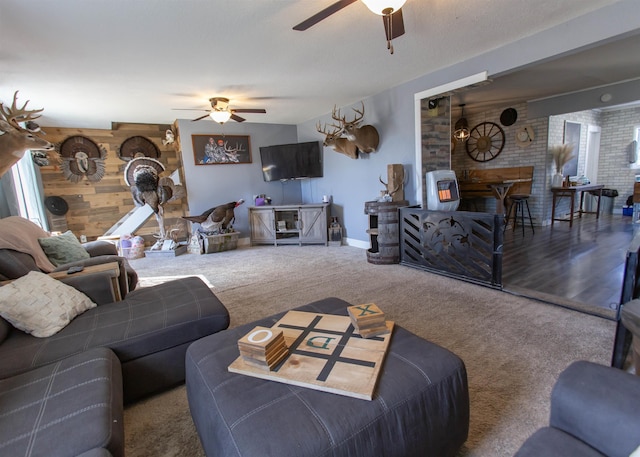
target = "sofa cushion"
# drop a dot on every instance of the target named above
(14, 264)
(40, 305)
(551, 442)
(148, 321)
(63, 248)
(67, 408)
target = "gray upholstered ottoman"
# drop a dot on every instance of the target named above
(68, 408)
(420, 407)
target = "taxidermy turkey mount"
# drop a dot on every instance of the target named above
(221, 112)
(142, 175)
(391, 17)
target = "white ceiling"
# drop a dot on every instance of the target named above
(89, 63)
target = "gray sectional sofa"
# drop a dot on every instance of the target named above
(138, 344)
(594, 413)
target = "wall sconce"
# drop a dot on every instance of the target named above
(461, 129)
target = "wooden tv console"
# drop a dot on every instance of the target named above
(289, 224)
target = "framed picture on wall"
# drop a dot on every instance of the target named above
(572, 136)
(221, 149)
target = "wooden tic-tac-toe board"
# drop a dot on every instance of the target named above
(325, 353)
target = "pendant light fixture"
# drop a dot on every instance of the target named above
(386, 8)
(461, 129)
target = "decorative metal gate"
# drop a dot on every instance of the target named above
(460, 244)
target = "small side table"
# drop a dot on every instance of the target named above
(111, 267)
(559, 192)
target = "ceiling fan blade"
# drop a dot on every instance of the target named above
(249, 110)
(189, 109)
(397, 25)
(199, 118)
(325, 13)
(237, 118)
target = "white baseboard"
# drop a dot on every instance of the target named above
(357, 243)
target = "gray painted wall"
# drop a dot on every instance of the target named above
(392, 112)
(212, 185)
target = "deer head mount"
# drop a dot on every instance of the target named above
(366, 138)
(334, 140)
(18, 133)
(349, 138)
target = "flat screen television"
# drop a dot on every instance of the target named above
(291, 161)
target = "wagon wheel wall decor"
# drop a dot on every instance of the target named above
(485, 142)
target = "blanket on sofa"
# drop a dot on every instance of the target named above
(22, 235)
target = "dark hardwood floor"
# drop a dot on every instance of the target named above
(579, 267)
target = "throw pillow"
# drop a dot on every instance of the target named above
(63, 248)
(40, 305)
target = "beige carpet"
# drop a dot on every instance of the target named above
(513, 347)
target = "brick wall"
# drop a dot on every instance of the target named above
(513, 155)
(436, 138)
(614, 169)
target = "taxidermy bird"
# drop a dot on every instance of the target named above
(142, 175)
(216, 219)
(169, 137)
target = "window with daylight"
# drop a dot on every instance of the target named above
(27, 191)
(634, 148)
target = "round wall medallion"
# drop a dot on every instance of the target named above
(524, 136)
(138, 146)
(508, 117)
(56, 205)
(485, 142)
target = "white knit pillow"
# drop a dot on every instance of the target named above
(40, 305)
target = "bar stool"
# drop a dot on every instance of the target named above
(518, 203)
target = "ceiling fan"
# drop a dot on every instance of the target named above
(220, 111)
(390, 10)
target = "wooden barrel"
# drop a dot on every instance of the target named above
(383, 231)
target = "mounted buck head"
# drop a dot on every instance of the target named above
(366, 138)
(335, 141)
(16, 139)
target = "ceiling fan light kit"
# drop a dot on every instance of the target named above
(390, 10)
(220, 116)
(384, 7)
(220, 111)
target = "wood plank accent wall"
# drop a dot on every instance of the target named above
(95, 207)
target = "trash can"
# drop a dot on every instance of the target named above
(606, 202)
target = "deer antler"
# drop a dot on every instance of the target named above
(238, 148)
(15, 115)
(356, 120)
(324, 131)
(387, 186)
(336, 116)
